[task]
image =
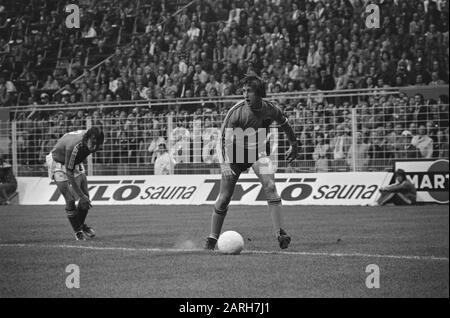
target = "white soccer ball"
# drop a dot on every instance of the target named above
(230, 242)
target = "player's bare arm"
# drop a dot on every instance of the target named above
(227, 172)
(225, 166)
(223, 144)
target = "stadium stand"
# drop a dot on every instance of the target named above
(295, 44)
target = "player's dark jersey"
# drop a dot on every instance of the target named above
(70, 150)
(252, 124)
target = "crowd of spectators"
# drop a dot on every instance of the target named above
(205, 49)
(388, 128)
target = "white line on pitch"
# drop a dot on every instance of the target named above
(174, 250)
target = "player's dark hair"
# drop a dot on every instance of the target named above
(256, 83)
(400, 173)
(97, 134)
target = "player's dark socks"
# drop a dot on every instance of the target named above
(283, 239)
(274, 206)
(82, 213)
(74, 220)
(210, 243)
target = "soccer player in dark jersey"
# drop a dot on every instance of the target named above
(250, 119)
(65, 165)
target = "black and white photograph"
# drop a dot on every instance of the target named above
(224, 155)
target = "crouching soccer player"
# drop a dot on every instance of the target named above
(65, 165)
(403, 192)
(253, 114)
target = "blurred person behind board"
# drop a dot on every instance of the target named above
(8, 182)
(402, 192)
(321, 153)
(164, 164)
(361, 153)
(408, 150)
(423, 142)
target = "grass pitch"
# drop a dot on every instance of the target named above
(154, 251)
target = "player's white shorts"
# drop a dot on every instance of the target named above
(57, 171)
